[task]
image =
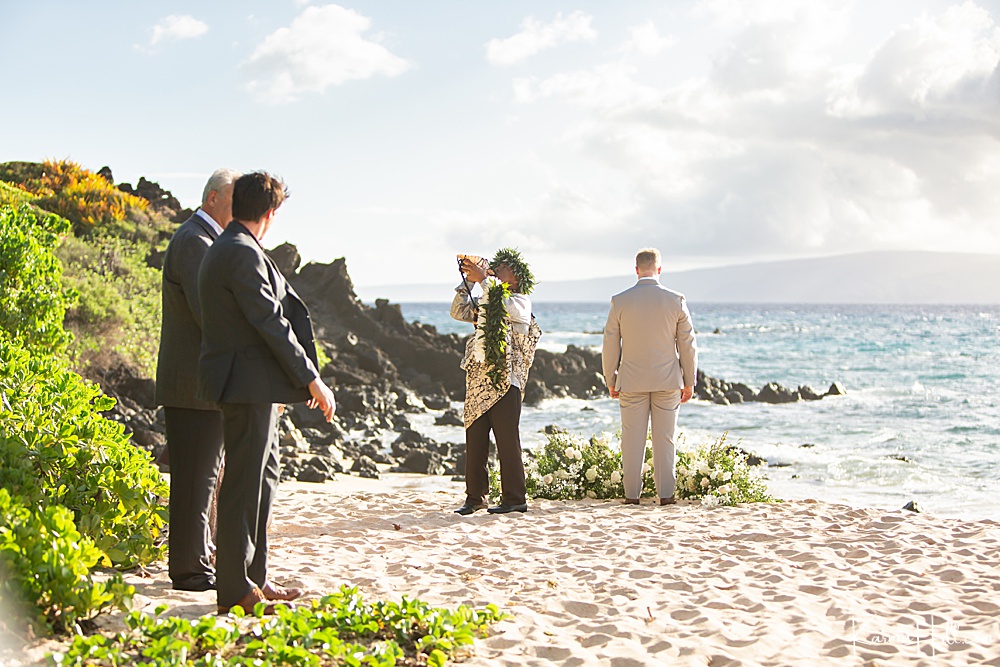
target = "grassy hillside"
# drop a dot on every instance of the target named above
(116, 315)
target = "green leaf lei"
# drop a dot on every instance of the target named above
(495, 328)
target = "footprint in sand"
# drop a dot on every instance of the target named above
(640, 574)
(581, 609)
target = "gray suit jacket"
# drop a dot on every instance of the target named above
(257, 339)
(180, 331)
(649, 342)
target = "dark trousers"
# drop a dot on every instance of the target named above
(194, 445)
(504, 419)
(245, 499)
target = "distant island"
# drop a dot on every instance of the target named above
(905, 277)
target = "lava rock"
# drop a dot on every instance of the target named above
(449, 418)
(773, 392)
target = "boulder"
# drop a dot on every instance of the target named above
(424, 462)
(807, 393)
(773, 392)
(912, 506)
(365, 467)
(449, 418)
(836, 389)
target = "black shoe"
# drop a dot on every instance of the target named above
(196, 585)
(504, 508)
(469, 508)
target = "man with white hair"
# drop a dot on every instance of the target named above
(650, 360)
(194, 427)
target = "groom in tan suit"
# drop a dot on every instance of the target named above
(650, 360)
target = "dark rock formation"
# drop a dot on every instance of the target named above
(727, 393)
(773, 392)
(161, 201)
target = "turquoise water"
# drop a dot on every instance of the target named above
(920, 421)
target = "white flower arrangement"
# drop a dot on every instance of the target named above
(569, 467)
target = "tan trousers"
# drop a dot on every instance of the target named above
(639, 409)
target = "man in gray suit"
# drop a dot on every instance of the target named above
(194, 427)
(257, 350)
(650, 360)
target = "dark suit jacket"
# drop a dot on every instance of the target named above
(180, 331)
(257, 340)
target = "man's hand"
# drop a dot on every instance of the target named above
(322, 398)
(614, 392)
(686, 394)
(474, 272)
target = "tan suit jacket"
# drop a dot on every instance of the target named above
(649, 342)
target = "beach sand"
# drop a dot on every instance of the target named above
(601, 583)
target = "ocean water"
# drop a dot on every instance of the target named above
(920, 421)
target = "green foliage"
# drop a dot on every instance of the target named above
(339, 629)
(51, 563)
(33, 303)
(11, 195)
(570, 468)
(495, 328)
(56, 449)
(118, 312)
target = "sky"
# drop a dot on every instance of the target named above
(720, 131)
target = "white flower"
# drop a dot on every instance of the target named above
(723, 500)
(704, 482)
(616, 476)
(702, 468)
(724, 489)
(572, 453)
(710, 501)
(591, 473)
(717, 474)
(727, 476)
(645, 468)
(682, 471)
(547, 480)
(591, 494)
(691, 485)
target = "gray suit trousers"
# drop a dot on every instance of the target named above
(245, 499)
(638, 409)
(194, 444)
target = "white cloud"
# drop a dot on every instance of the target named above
(175, 28)
(788, 148)
(536, 36)
(323, 47)
(646, 41)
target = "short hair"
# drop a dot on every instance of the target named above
(647, 259)
(219, 181)
(255, 194)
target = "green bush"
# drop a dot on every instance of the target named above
(118, 310)
(49, 564)
(339, 629)
(56, 449)
(569, 467)
(11, 195)
(33, 302)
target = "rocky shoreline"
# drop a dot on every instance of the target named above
(384, 370)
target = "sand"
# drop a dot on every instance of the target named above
(601, 583)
